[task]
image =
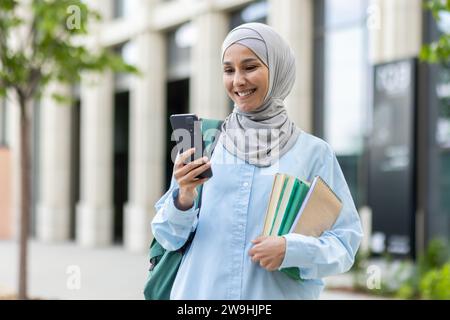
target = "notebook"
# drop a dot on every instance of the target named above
(319, 211)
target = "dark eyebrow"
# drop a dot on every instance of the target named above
(228, 63)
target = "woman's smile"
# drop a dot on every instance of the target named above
(245, 94)
(246, 77)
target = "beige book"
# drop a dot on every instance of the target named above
(277, 186)
(319, 210)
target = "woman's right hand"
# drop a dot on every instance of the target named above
(185, 175)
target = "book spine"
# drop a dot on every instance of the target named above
(305, 201)
(278, 205)
(268, 204)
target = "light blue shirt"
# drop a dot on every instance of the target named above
(217, 264)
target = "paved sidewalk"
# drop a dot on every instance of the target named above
(105, 274)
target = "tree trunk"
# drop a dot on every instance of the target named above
(24, 151)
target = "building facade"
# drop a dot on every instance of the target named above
(100, 165)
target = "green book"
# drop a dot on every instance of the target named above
(282, 212)
(290, 216)
(293, 207)
(292, 272)
(282, 203)
(277, 186)
(290, 203)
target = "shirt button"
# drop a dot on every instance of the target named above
(245, 184)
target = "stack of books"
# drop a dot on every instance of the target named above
(298, 206)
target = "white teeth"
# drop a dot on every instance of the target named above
(245, 93)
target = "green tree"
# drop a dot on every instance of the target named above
(49, 49)
(438, 51)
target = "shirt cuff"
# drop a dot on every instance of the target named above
(298, 251)
(177, 216)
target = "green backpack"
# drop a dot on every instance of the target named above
(164, 264)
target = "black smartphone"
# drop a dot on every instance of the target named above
(187, 132)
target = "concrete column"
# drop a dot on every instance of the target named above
(208, 98)
(293, 19)
(147, 141)
(104, 7)
(94, 220)
(53, 207)
(94, 211)
(399, 34)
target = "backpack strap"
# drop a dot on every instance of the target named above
(210, 137)
(211, 132)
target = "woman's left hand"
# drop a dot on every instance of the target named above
(268, 251)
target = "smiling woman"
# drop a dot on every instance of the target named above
(228, 258)
(246, 78)
(259, 72)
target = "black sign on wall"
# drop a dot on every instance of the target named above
(391, 182)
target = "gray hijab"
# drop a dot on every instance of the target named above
(262, 136)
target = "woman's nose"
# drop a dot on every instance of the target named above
(239, 79)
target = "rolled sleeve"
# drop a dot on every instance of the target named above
(298, 251)
(317, 257)
(177, 216)
(172, 226)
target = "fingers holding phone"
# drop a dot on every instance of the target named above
(187, 178)
(187, 132)
(189, 173)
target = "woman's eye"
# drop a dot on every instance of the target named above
(227, 70)
(251, 67)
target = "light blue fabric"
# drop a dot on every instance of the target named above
(217, 264)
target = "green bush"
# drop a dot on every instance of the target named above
(428, 279)
(435, 256)
(436, 284)
(406, 291)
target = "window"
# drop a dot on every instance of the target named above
(254, 12)
(443, 93)
(345, 71)
(439, 104)
(341, 82)
(344, 13)
(124, 8)
(179, 44)
(129, 54)
(118, 8)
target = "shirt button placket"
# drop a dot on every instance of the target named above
(240, 236)
(240, 226)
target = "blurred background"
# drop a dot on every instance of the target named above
(100, 163)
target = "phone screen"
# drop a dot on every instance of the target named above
(187, 133)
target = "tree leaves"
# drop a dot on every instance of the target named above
(437, 51)
(53, 48)
(7, 5)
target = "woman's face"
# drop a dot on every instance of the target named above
(245, 77)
